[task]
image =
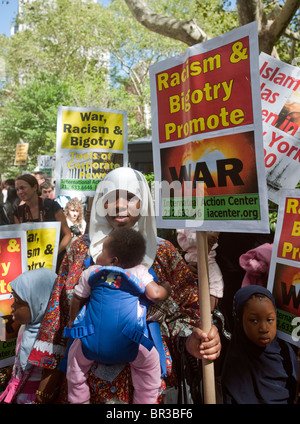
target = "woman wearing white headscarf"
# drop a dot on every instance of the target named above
(124, 180)
(31, 292)
(123, 198)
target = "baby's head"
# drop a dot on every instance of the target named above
(254, 308)
(123, 247)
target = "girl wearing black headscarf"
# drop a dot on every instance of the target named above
(259, 367)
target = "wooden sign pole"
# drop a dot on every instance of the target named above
(209, 391)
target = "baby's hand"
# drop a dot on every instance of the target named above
(166, 285)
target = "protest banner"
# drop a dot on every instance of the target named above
(280, 97)
(13, 263)
(208, 148)
(90, 142)
(42, 243)
(207, 136)
(45, 164)
(284, 273)
(21, 154)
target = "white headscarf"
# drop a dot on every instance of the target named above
(35, 288)
(133, 181)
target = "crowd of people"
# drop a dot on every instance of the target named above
(119, 320)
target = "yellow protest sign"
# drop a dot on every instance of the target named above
(21, 154)
(90, 143)
(93, 129)
(42, 243)
(40, 248)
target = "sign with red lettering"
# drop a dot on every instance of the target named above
(284, 274)
(207, 136)
(280, 97)
(13, 263)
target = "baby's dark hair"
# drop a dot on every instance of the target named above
(128, 245)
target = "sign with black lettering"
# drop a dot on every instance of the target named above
(90, 142)
(42, 242)
(21, 154)
(284, 274)
(207, 136)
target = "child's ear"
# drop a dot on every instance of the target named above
(115, 261)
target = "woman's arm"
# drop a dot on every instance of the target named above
(170, 266)
(56, 317)
(49, 386)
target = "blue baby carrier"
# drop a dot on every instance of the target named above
(114, 307)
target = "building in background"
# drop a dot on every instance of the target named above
(140, 155)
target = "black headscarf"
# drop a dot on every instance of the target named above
(253, 374)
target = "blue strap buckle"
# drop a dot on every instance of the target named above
(79, 332)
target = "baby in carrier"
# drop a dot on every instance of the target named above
(117, 278)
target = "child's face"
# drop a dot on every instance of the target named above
(259, 321)
(106, 257)
(20, 310)
(73, 214)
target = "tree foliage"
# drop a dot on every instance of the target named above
(275, 19)
(29, 115)
(55, 60)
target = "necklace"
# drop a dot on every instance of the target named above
(27, 215)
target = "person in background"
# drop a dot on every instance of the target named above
(31, 292)
(259, 368)
(7, 183)
(37, 209)
(74, 216)
(11, 203)
(256, 263)
(41, 177)
(187, 241)
(123, 199)
(3, 216)
(46, 189)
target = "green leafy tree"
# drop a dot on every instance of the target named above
(29, 115)
(62, 41)
(65, 39)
